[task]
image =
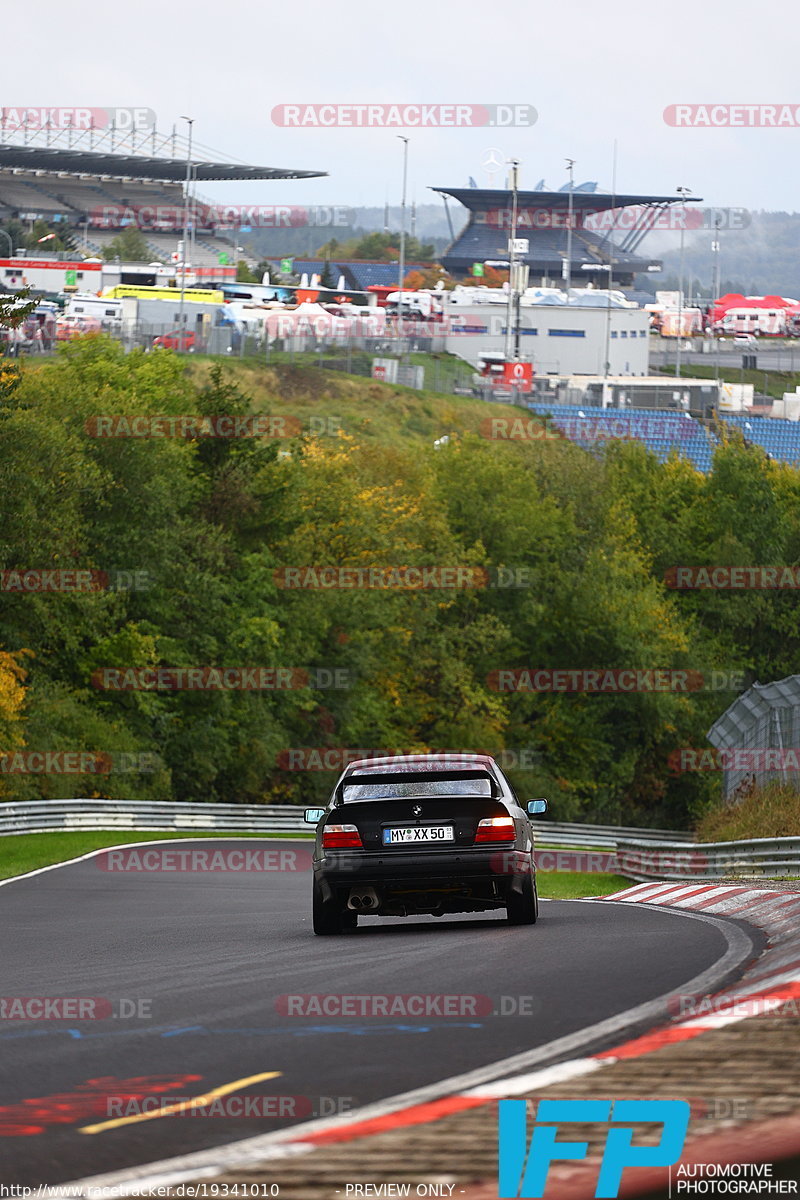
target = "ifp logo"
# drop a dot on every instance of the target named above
(523, 1171)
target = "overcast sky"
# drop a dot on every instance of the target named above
(595, 73)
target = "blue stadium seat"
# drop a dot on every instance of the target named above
(778, 437)
(662, 432)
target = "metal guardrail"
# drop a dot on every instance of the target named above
(606, 837)
(31, 816)
(641, 854)
(756, 858)
(39, 815)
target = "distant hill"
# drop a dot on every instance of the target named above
(760, 260)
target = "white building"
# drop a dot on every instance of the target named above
(559, 337)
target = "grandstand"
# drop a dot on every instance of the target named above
(542, 219)
(95, 194)
(778, 437)
(661, 432)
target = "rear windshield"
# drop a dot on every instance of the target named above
(406, 789)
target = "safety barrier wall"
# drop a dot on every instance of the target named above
(31, 816)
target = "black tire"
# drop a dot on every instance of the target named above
(327, 915)
(522, 908)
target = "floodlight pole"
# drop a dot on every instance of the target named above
(181, 338)
(609, 282)
(568, 276)
(683, 192)
(401, 273)
(511, 259)
(715, 289)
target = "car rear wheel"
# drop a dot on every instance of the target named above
(522, 908)
(327, 916)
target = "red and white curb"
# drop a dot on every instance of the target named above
(768, 984)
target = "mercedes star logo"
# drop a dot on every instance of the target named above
(493, 159)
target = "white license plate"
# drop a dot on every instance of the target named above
(418, 833)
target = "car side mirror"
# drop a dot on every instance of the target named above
(312, 816)
(537, 806)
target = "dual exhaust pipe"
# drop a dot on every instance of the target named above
(363, 899)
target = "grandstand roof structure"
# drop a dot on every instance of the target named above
(543, 222)
(135, 166)
(536, 199)
(100, 191)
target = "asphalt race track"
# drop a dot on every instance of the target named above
(202, 957)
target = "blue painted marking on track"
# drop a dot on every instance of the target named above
(270, 1031)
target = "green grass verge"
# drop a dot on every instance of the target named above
(443, 371)
(384, 414)
(569, 885)
(768, 812)
(27, 851)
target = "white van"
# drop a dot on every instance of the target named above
(107, 312)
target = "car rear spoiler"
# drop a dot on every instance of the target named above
(413, 777)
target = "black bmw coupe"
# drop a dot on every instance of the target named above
(428, 833)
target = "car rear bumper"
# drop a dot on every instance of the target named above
(500, 864)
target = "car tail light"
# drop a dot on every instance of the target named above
(340, 837)
(495, 829)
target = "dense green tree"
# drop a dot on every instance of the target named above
(130, 245)
(379, 247)
(244, 274)
(327, 279)
(571, 554)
